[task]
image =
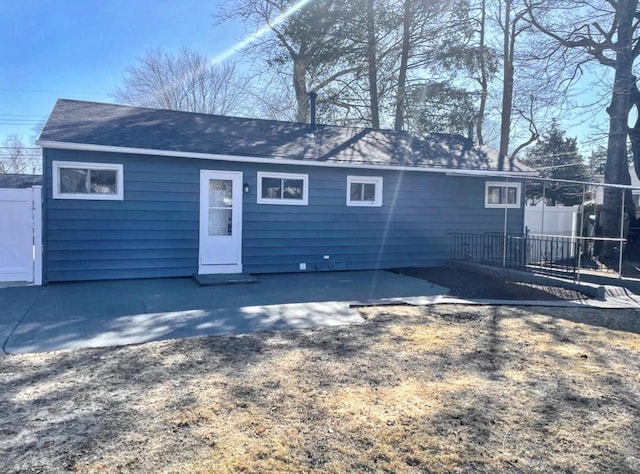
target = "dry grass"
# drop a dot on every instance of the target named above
(437, 389)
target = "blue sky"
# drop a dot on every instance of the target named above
(80, 49)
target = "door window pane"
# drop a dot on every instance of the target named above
(220, 192)
(220, 206)
(220, 221)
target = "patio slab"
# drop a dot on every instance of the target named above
(111, 313)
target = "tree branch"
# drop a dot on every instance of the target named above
(596, 49)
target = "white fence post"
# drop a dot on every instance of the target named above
(37, 234)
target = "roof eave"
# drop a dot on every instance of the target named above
(253, 159)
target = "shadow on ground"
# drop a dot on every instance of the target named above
(436, 389)
(107, 313)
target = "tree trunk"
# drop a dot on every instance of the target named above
(373, 65)
(404, 62)
(484, 80)
(507, 86)
(300, 89)
(617, 171)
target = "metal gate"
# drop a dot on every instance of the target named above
(20, 235)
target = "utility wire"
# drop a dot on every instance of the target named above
(20, 148)
(49, 91)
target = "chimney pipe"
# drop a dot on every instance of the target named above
(312, 99)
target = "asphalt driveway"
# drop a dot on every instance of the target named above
(111, 313)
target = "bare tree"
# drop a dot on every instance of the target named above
(307, 42)
(510, 18)
(607, 32)
(484, 70)
(433, 49)
(404, 65)
(185, 81)
(16, 158)
(372, 64)
(271, 98)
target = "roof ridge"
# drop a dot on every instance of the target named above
(186, 112)
(144, 128)
(274, 121)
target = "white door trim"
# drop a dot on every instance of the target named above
(236, 177)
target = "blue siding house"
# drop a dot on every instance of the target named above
(135, 193)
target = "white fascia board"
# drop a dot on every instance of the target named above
(253, 159)
(495, 173)
(536, 177)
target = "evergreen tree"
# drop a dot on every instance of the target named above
(556, 156)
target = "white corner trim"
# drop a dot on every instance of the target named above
(377, 180)
(271, 161)
(284, 202)
(118, 168)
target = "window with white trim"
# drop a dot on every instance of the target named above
(364, 191)
(78, 180)
(502, 194)
(283, 188)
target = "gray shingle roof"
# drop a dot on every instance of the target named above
(94, 123)
(20, 180)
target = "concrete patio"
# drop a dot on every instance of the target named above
(111, 313)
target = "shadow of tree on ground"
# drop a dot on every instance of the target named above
(433, 389)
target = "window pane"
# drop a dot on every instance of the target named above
(293, 189)
(494, 194)
(220, 192)
(103, 181)
(220, 221)
(73, 180)
(355, 192)
(271, 188)
(511, 195)
(369, 192)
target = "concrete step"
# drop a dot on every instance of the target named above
(224, 279)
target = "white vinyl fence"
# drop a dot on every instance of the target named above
(552, 221)
(21, 235)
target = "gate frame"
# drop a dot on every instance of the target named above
(36, 231)
(36, 201)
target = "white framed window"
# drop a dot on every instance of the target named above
(501, 194)
(364, 191)
(283, 188)
(78, 180)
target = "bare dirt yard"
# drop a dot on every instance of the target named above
(441, 389)
(468, 284)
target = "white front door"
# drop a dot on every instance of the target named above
(220, 222)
